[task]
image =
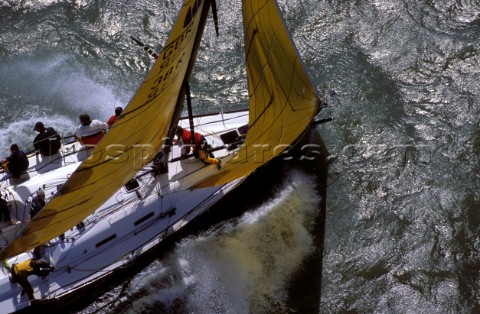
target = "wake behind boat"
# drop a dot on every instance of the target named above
(110, 204)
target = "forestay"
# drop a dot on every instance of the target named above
(132, 142)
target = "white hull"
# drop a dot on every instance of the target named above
(127, 225)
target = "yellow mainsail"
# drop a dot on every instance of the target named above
(282, 99)
(132, 142)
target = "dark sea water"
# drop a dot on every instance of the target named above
(402, 224)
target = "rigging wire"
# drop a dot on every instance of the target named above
(176, 193)
(336, 28)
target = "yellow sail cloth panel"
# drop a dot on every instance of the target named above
(132, 142)
(282, 98)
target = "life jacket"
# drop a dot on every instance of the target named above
(112, 120)
(92, 139)
(187, 138)
(23, 269)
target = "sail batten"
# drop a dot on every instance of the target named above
(124, 150)
(282, 98)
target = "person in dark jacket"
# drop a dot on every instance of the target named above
(15, 164)
(5, 211)
(47, 141)
(22, 270)
(37, 203)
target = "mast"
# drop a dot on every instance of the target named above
(190, 111)
(142, 130)
(196, 46)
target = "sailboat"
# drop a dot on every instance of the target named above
(112, 203)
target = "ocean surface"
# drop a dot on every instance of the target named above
(402, 223)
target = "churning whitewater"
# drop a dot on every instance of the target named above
(235, 266)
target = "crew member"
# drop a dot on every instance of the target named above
(22, 270)
(5, 211)
(37, 203)
(15, 164)
(199, 144)
(114, 118)
(90, 132)
(47, 141)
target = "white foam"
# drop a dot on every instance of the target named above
(53, 90)
(244, 268)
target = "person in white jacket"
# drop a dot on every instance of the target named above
(90, 132)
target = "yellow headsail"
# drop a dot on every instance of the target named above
(282, 99)
(132, 142)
